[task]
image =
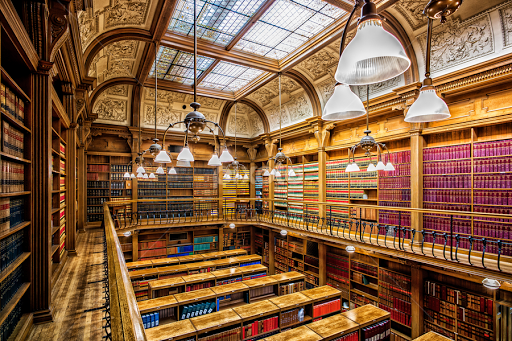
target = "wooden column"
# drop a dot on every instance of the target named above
(417, 144)
(322, 264)
(271, 247)
(417, 277)
(135, 245)
(221, 238)
(253, 245)
(252, 177)
(82, 188)
(41, 194)
(322, 190)
(71, 172)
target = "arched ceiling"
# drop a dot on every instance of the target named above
(247, 122)
(236, 60)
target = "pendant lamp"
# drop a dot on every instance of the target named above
(374, 55)
(235, 166)
(428, 107)
(343, 103)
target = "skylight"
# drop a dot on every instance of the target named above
(286, 25)
(229, 77)
(178, 66)
(218, 21)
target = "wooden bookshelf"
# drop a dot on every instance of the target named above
(16, 157)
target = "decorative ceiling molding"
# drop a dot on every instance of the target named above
(114, 105)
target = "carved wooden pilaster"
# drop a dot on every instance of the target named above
(41, 194)
(82, 187)
(69, 103)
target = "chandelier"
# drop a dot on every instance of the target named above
(429, 107)
(368, 143)
(195, 123)
(235, 166)
(280, 157)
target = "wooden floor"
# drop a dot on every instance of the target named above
(76, 291)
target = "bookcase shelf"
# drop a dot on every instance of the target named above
(4, 313)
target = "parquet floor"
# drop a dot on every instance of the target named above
(76, 291)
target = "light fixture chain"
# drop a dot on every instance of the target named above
(280, 133)
(367, 104)
(236, 126)
(156, 84)
(429, 43)
(195, 52)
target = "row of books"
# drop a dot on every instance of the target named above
(199, 286)
(397, 282)
(117, 185)
(94, 218)
(255, 293)
(498, 231)
(394, 204)
(493, 148)
(440, 224)
(206, 239)
(461, 298)
(205, 247)
(365, 184)
(350, 337)
(437, 329)
(493, 181)
(180, 178)
(326, 307)
(121, 168)
(11, 103)
(98, 184)
(497, 210)
(455, 181)
(397, 157)
(152, 192)
(11, 321)
(453, 196)
(116, 176)
(200, 170)
(12, 213)
(447, 153)
(475, 318)
(206, 185)
(152, 245)
(229, 280)
(291, 317)
(397, 315)
(228, 335)
(198, 309)
(493, 165)
(260, 327)
(364, 174)
(13, 140)
(443, 307)
(393, 218)
(95, 209)
(399, 182)
(364, 268)
(360, 300)
(395, 194)
(98, 168)
(502, 198)
(12, 177)
(378, 331)
(152, 252)
(11, 248)
(291, 288)
(180, 249)
(9, 286)
(449, 167)
(90, 176)
(400, 170)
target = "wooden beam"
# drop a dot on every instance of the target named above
(259, 13)
(185, 43)
(207, 71)
(161, 22)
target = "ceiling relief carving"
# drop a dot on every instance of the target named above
(412, 11)
(506, 24)
(319, 64)
(114, 105)
(378, 87)
(170, 108)
(118, 59)
(457, 42)
(326, 89)
(274, 118)
(111, 14)
(248, 123)
(262, 96)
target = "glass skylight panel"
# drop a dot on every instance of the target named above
(218, 21)
(178, 66)
(229, 77)
(286, 25)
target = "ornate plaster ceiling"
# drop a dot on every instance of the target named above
(114, 105)
(248, 123)
(117, 59)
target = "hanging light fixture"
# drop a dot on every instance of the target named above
(280, 157)
(374, 55)
(284, 233)
(266, 172)
(232, 226)
(490, 283)
(343, 103)
(429, 107)
(195, 122)
(235, 166)
(367, 143)
(350, 249)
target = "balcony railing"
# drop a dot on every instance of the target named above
(451, 244)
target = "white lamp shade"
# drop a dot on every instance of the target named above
(380, 166)
(355, 167)
(427, 108)
(266, 173)
(373, 56)
(160, 170)
(162, 157)
(172, 171)
(278, 174)
(145, 176)
(371, 167)
(126, 175)
(151, 176)
(141, 170)
(273, 172)
(246, 177)
(183, 163)
(140, 175)
(343, 105)
(127, 234)
(226, 176)
(232, 226)
(349, 168)
(491, 283)
(133, 176)
(185, 155)
(214, 161)
(226, 157)
(291, 172)
(389, 167)
(284, 232)
(350, 249)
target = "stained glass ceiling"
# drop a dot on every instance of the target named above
(229, 77)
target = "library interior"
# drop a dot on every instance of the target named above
(241, 170)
